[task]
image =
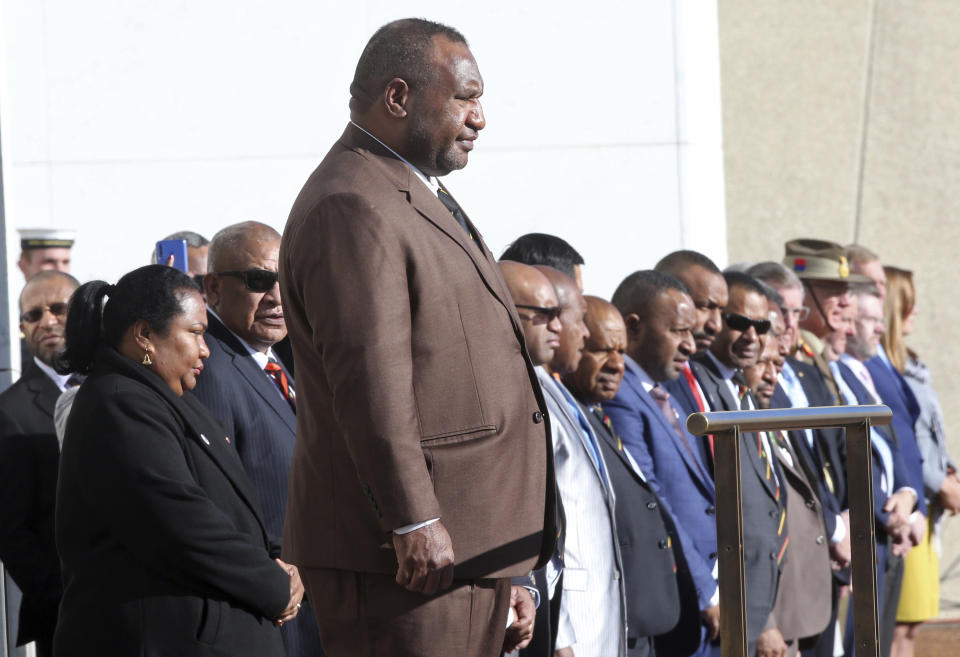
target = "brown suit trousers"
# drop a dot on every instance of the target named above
(416, 398)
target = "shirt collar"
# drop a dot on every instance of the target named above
(725, 372)
(429, 181)
(59, 379)
(645, 381)
(261, 358)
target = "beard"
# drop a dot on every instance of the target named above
(423, 151)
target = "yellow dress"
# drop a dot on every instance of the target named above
(920, 595)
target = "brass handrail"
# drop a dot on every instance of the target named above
(726, 427)
(788, 419)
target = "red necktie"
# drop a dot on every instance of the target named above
(692, 382)
(279, 377)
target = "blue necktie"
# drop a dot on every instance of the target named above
(587, 433)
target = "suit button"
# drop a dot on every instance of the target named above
(711, 510)
(773, 514)
(651, 505)
(712, 555)
(616, 574)
(663, 544)
(773, 555)
(537, 417)
(820, 540)
(809, 504)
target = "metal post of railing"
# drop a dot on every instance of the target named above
(726, 428)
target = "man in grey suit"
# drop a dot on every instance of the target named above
(244, 384)
(592, 609)
(719, 372)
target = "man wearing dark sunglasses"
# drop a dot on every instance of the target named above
(537, 307)
(246, 385)
(29, 455)
(720, 375)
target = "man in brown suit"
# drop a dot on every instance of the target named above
(422, 476)
(802, 608)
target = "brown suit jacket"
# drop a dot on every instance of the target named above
(416, 398)
(804, 596)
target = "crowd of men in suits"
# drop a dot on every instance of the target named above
(589, 393)
(637, 488)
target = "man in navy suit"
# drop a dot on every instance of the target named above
(892, 387)
(862, 384)
(708, 289)
(660, 316)
(245, 385)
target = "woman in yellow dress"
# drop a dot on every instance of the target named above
(920, 595)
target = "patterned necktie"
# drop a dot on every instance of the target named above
(273, 369)
(695, 389)
(742, 398)
(776, 438)
(455, 210)
(662, 398)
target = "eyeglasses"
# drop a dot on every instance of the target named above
(36, 314)
(551, 313)
(800, 313)
(256, 280)
(741, 323)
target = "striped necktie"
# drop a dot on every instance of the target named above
(743, 399)
(273, 369)
(775, 439)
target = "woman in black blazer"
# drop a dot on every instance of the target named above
(159, 532)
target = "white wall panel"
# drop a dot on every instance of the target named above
(128, 120)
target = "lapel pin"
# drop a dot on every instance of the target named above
(227, 438)
(204, 439)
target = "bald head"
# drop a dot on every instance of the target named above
(574, 330)
(527, 284)
(537, 307)
(43, 312)
(228, 242)
(600, 371)
(48, 277)
(566, 288)
(247, 299)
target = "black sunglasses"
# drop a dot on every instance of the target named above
(551, 313)
(36, 314)
(741, 323)
(256, 280)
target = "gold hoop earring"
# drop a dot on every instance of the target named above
(146, 359)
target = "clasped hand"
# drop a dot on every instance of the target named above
(296, 593)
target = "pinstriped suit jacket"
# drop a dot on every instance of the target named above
(258, 420)
(593, 606)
